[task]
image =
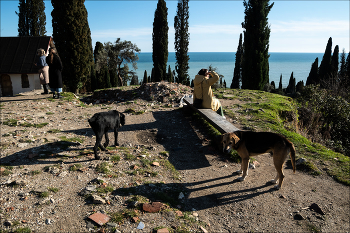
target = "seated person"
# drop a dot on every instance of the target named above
(202, 90)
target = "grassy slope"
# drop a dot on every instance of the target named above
(263, 111)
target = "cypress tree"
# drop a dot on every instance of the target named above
(291, 85)
(347, 71)
(237, 72)
(72, 38)
(313, 78)
(181, 43)
(170, 77)
(31, 18)
(255, 66)
(145, 77)
(280, 83)
(160, 41)
(342, 64)
(325, 67)
(335, 62)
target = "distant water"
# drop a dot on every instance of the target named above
(280, 63)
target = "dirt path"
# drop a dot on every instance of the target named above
(213, 198)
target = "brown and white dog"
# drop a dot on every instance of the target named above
(249, 143)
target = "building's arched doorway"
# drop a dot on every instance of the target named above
(6, 85)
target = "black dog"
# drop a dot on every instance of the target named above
(101, 123)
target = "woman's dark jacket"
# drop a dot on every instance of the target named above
(55, 69)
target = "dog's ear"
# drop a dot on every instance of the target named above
(235, 138)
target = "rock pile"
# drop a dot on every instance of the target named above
(163, 92)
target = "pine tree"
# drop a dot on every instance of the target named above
(31, 18)
(72, 38)
(160, 41)
(181, 43)
(313, 78)
(255, 66)
(237, 72)
(325, 68)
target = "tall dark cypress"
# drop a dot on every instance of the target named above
(325, 67)
(335, 62)
(72, 37)
(31, 18)
(237, 72)
(255, 66)
(181, 43)
(313, 77)
(160, 41)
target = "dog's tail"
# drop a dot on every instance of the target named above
(292, 154)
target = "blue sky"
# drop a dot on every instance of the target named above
(296, 26)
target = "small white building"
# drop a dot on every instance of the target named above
(17, 57)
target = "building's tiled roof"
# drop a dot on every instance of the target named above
(18, 54)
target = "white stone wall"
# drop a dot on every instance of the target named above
(34, 83)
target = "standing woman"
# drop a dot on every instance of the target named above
(203, 92)
(43, 70)
(55, 71)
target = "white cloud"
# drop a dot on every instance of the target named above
(336, 26)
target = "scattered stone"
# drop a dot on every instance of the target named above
(153, 208)
(181, 196)
(48, 221)
(22, 145)
(156, 164)
(96, 199)
(112, 224)
(300, 161)
(99, 218)
(141, 226)
(251, 166)
(179, 213)
(135, 219)
(63, 174)
(2, 169)
(54, 170)
(317, 209)
(203, 229)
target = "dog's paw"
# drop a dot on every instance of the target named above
(241, 178)
(239, 172)
(97, 157)
(273, 182)
(277, 187)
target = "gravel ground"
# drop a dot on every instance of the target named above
(164, 157)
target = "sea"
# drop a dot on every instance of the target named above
(224, 62)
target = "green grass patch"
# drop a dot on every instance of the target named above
(107, 189)
(50, 113)
(53, 189)
(104, 168)
(115, 158)
(263, 111)
(35, 172)
(54, 131)
(75, 167)
(23, 230)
